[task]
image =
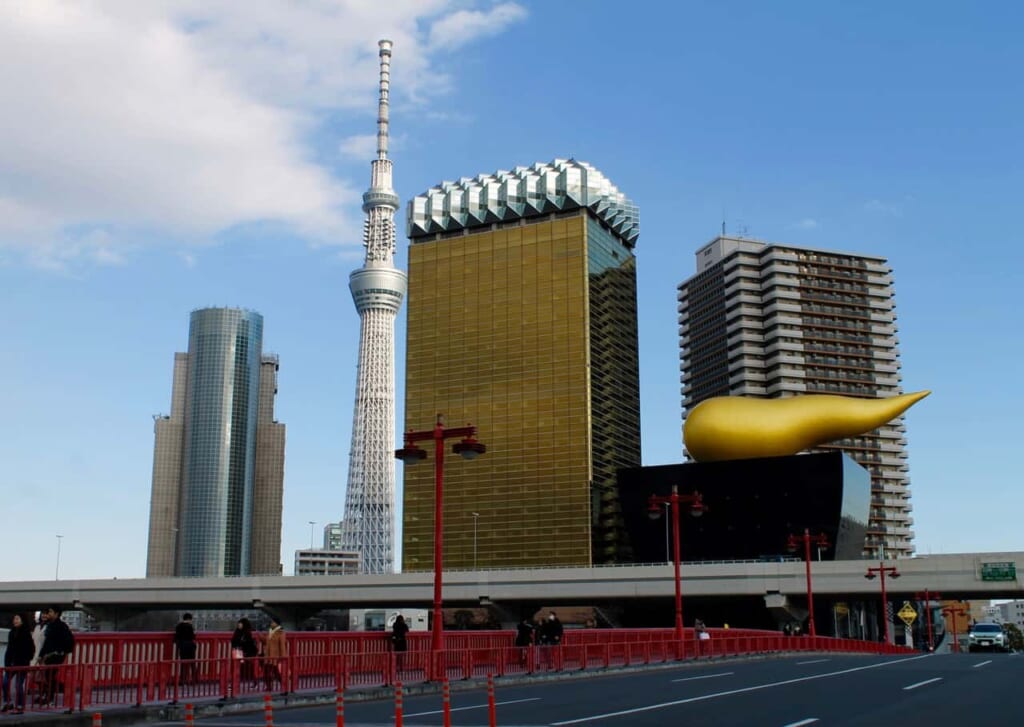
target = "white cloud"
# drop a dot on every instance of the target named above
(123, 119)
(807, 223)
(464, 26)
(877, 206)
(361, 146)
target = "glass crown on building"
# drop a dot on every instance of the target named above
(557, 186)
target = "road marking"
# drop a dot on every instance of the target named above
(981, 664)
(473, 706)
(921, 684)
(801, 723)
(816, 661)
(706, 676)
(703, 697)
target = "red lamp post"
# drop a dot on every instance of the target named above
(927, 597)
(697, 508)
(952, 612)
(469, 448)
(881, 570)
(794, 544)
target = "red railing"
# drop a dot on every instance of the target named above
(138, 668)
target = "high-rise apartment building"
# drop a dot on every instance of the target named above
(326, 562)
(377, 290)
(522, 321)
(218, 462)
(771, 320)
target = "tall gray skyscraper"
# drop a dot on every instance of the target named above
(771, 320)
(218, 462)
(377, 289)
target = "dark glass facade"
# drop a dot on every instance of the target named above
(753, 505)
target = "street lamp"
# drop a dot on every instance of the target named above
(952, 612)
(668, 548)
(927, 596)
(881, 570)
(697, 508)
(410, 454)
(794, 543)
(312, 524)
(476, 517)
(56, 573)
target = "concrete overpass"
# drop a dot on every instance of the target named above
(956, 576)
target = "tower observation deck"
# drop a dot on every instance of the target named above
(377, 290)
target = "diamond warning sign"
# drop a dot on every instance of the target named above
(908, 613)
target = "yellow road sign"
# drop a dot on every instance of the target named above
(907, 613)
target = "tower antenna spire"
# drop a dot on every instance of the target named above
(378, 289)
(383, 98)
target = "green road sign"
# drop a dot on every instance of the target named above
(1006, 571)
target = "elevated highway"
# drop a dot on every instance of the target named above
(956, 576)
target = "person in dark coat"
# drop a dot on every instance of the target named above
(58, 643)
(398, 641)
(185, 643)
(245, 648)
(524, 637)
(21, 650)
(551, 632)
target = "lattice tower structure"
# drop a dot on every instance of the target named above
(378, 289)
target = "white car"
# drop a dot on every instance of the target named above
(987, 636)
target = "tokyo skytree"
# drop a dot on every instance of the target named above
(377, 290)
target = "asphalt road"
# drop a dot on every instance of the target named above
(791, 691)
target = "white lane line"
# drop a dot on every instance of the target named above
(801, 723)
(705, 676)
(816, 661)
(983, 663)
(921, 684)
(703, 697)
(473, 706)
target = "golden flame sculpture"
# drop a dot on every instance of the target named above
(738, 427)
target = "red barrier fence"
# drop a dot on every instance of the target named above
(334, 662)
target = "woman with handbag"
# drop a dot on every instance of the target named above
(244, 650)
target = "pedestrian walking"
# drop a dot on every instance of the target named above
(185, 643)
(551, 632)
(275, 653)
(58, 643)
(524, 637)
(21, 650)
(38, 634)
(244, 650)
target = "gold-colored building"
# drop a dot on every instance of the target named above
(522, 321)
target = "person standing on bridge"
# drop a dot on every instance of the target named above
(551, 633)
(398, 641)
(20, 652)
(185, 642)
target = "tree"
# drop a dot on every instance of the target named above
(1016, 637)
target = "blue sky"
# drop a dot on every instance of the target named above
(159, 157)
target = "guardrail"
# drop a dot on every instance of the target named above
(142, 673)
